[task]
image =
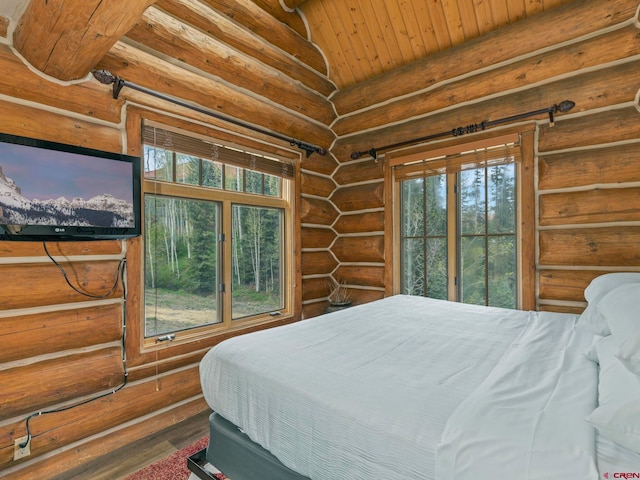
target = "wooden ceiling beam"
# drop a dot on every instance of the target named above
(65, 39)
(222, 28)
(148, 71)
(169, 36)
(251, 16)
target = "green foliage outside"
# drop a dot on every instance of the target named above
(182, 264)
(257, 252)
(486, 224)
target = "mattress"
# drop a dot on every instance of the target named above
(410, 387)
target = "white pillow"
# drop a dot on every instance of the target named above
(591, 353)
(591, 318)
(621, 309)
(603, 284)
(618, 414)
(592, 321)
(629, 354)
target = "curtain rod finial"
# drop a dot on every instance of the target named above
(565, 106)
(103, 76)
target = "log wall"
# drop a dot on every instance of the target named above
(317, 217)
(587, 211)
(60, 348)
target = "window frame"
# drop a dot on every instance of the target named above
(525, 191)
(141, 350)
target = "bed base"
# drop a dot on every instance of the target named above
(233, 453)
(197, 464)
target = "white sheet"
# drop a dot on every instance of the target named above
(527, 419)
(613, 458)
(367, 392)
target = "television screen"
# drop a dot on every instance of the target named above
(53, 191)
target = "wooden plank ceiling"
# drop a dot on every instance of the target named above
(364, 38)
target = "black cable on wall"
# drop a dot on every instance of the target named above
(120, 277)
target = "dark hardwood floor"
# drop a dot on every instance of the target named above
(130, 458)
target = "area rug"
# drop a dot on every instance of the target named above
(174, 466)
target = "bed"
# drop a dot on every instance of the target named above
(415, 388)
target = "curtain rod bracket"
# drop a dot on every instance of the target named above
(117, 86)
(107, 78)
(372, 152)
(563, 106)
(307, 147)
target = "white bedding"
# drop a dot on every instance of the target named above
(375, 391)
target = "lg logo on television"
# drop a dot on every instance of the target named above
(621, 475)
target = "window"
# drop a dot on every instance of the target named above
(424, 237)
(457, 228)
(217, 237)
(181, 274)
(487, 204)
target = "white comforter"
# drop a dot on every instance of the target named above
(414, 388)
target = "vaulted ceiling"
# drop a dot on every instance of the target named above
(276, 62)
(358, 39)
(362, 39)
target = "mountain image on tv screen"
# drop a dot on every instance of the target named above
(49, 187)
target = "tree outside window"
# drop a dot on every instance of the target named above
(481, 214)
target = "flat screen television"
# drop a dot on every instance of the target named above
(54, 191)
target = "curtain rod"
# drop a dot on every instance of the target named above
(107, 78)
(563, 106)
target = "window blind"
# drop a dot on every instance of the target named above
(158, 137)
(479, 158)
